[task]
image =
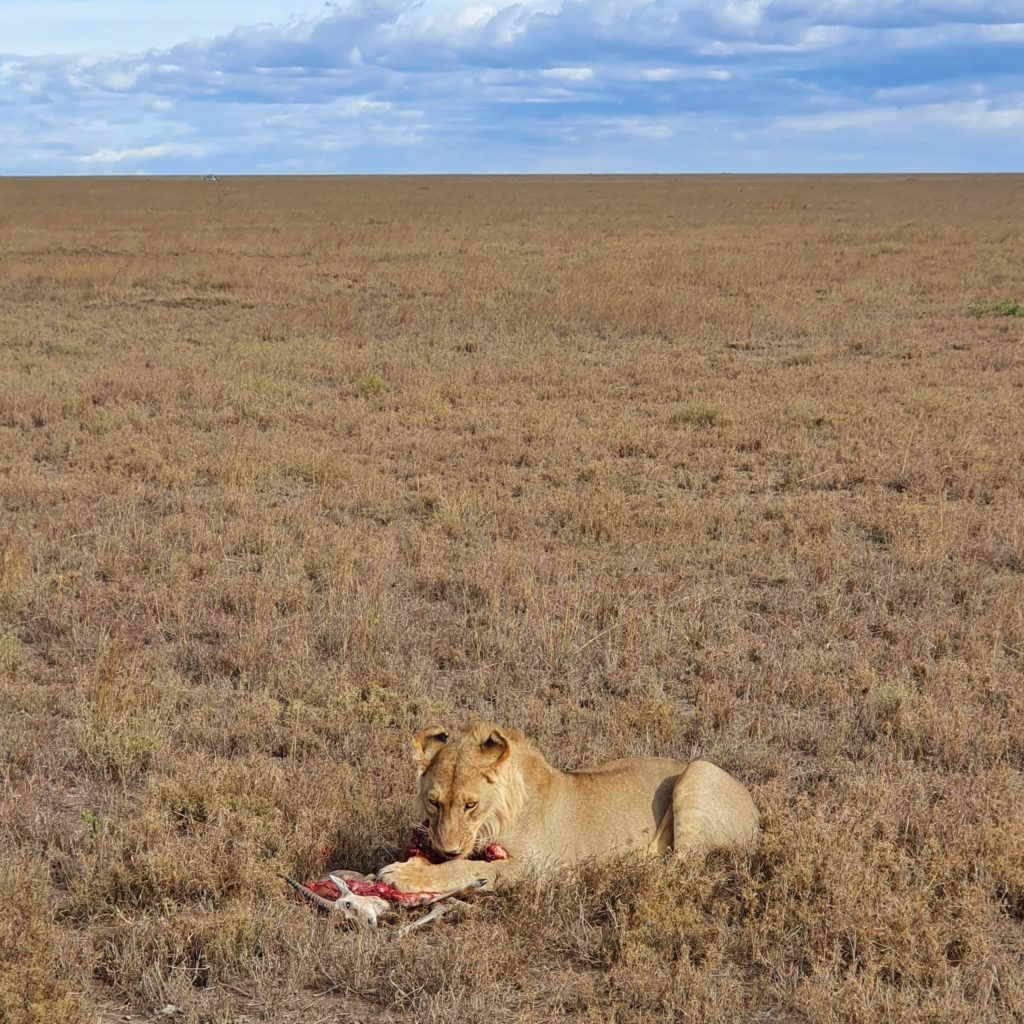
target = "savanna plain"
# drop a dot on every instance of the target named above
(702, 467)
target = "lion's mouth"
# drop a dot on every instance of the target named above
(456, 855)
(479, 849)
(443, 854)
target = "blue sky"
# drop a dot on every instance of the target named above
(442, 86)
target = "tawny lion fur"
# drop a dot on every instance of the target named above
(487, 784)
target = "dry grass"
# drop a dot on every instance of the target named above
(290, 468)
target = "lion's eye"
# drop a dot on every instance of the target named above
(470, 805)
(431, 802)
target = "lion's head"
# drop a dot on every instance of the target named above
(470, 785)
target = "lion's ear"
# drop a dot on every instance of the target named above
(426, 744)
(497, 746)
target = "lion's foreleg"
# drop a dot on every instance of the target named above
(419, 875)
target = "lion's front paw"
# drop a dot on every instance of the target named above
(416, 875)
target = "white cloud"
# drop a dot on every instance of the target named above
(1005, 34)
(684, 74)
(975, 116)
(568, 74)
(119, 81)
(142, 153)
(635, 128)
(662, 74)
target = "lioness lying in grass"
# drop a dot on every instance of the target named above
(490, 785)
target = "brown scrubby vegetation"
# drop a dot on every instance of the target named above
(685, 466)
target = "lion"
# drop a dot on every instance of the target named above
(487, 784)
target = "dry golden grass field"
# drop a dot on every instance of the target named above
(687, 466)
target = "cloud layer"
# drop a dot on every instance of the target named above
(576, 85)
